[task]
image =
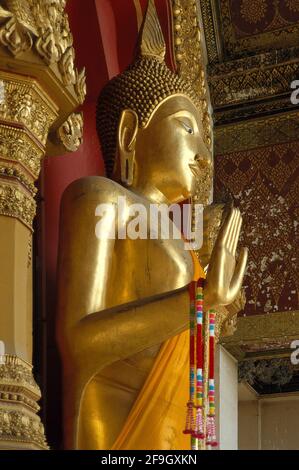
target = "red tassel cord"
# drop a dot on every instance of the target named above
(199, 424)
(195, 406)
(190, 420)
(211, 439)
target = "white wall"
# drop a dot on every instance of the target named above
(226, 374)
(279, 423)
(269, 423)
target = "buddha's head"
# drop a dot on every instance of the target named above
(151, 127)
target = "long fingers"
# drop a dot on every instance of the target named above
(238, 276)
(235, 236)
(228, 227)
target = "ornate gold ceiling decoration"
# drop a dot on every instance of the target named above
(252, 134)
(254, 84)
(253, 53)
(211, 33)
(293, 5)
(253, 11)
(238, 28)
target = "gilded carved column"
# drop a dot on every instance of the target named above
(40, 90)
(189, 57)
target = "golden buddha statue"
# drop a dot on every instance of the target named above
(123, 304)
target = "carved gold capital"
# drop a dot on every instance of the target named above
(27, 105)
(14, 202)
(20, 427)
(26, 115)
(18, 148)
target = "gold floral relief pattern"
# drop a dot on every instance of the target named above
(44, 24)
(42, 27)
(17, 373)
(24, 103)
(71, 132)
(19, 393)
(9, 170)
(14, 202)
(66, 66)
(80, 85)
(21, 427)
(16, 145)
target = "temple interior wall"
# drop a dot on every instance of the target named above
(268, 423)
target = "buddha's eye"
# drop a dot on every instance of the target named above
(188, 128)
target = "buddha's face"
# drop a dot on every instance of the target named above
(170, 154)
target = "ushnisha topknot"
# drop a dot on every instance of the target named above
(141, 87)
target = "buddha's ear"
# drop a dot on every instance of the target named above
(127, 132)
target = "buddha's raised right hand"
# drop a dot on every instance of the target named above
(225, 275)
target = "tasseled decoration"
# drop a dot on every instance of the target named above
(211, 432)
(201, 432)
(199, 424)
(190, 421)
(190, 418)
(211, 439)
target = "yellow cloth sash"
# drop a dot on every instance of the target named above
(157, 419)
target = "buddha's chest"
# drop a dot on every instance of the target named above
(147, 268)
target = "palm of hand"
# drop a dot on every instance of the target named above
(225, 275)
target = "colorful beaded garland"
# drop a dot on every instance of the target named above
(199, 425)
(195, 406)
(190, 421)
(211, 439)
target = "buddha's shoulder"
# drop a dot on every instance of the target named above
(95, 188)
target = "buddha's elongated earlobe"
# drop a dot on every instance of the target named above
(127, 132)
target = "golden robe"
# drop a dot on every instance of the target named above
(158, 417)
